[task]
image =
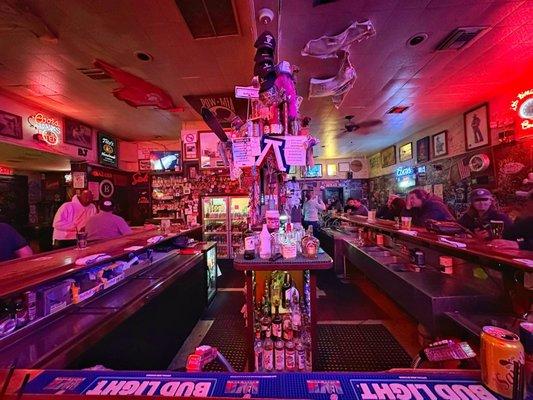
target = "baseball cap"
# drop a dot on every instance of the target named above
(106, 205)
(480, 194)
(265, 41)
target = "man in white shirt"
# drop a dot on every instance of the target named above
(71, 218)
(105, 224)
(310, 209)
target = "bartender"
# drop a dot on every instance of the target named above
(481, 211)
(421, 206)
(71, 217)
(12, 245)
(105, 224)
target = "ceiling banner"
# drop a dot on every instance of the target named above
(223, 106)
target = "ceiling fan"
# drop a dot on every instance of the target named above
(351, 126)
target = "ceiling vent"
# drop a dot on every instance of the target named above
(461, 37)
(95, 73)
(209, 18)
(397, 109)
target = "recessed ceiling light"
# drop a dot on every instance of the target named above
(417, 39)
(141, 55)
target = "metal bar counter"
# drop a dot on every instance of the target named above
(475, 251)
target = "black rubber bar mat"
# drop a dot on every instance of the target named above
(228, 335)
(358, 348)
(225, 305)
(230, 278)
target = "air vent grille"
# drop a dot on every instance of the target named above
(209, 18)
(397, 109)
(461, 37)
(95, 73)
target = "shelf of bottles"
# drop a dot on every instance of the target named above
(215, 221)
(282, 321)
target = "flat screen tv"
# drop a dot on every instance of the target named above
(163, 161)
(313, 172)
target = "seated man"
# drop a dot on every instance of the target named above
(355, 207)
(481, 211)
(105, 224)
(421, 206)
(520, 234)
(12, 245)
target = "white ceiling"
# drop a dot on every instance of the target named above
(25, 159)
(389, 73)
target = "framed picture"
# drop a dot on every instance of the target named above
(422, 150)
(190, 150)
(375, 162)
(477, 132)
(440, 144)
(388, 156)
(10, 125)
(344, 167)
(406, 151)
(145, 165)
(209, 155)
(313, 172)
(78, 134)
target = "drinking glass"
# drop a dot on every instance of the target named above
(406, 223)
(372, 215)
(496, 229)
(81, 238)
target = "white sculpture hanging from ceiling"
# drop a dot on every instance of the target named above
(337, 46)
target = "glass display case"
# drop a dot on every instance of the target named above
(238, 219)
(215, 223)
(211, 259)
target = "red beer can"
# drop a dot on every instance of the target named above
(500, 349)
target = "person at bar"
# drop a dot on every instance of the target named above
(312, 206)
(421, 206)
(71, 217)
(393, 209)
(105, 224)
(519, 236)
(355, 207)
(12, 245)
(482, 210)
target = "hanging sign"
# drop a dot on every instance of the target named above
(79, 180)
(246, 92)
(276, 145)
(295, 150)
(523, 105)
(224, 106)
(48, 128)
(242, 152)
(107, 188)
(107, 150)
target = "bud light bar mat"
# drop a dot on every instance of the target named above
(362, 386)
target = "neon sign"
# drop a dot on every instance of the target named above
(523, 106)
(48, 128)
(421, 169)
(403, 171)
(6, 170)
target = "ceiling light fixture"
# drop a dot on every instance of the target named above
(142, 56)
(417, 39)
(397, 109)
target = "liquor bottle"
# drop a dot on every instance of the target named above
(249, 243)
(267, 293)
(296, 316)
(306, 342)
(258, 351)
(266, 325)
(310, 244)
(268, 353)
(264, 240)
(279, 355)
(300, 355)
(277, 324)
(287, 285)
(290, 356)
(287, 327)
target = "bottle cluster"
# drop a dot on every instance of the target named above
(282, 326)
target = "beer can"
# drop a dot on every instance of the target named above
(500, 349)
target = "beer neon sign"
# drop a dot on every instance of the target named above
(48, 128)
(523, 106)
(6, 170)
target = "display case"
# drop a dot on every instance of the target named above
(211, 259)
(238, 223)
(215, 223)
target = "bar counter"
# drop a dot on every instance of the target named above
(27, 272)
(474, 250)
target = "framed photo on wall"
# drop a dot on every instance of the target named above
(440, 144)
(406, 151)
(190, 151)
(10, 125)
(78, 134)
(388, 156)
(209, 155)
(145, 165)
(477, 128)
(344, 167)
(422, 150)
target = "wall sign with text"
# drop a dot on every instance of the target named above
(107, 150)
(523, 105)
(48, 128)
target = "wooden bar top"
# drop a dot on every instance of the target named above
(323, 261)
(474, 250)
(19, 274)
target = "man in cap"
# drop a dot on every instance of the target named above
(105, 224)
(481, 212)
(71, 218)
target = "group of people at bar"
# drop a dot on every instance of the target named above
(74, 216)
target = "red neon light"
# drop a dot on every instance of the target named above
(48, 128)
(6, 170)
(523, 106)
